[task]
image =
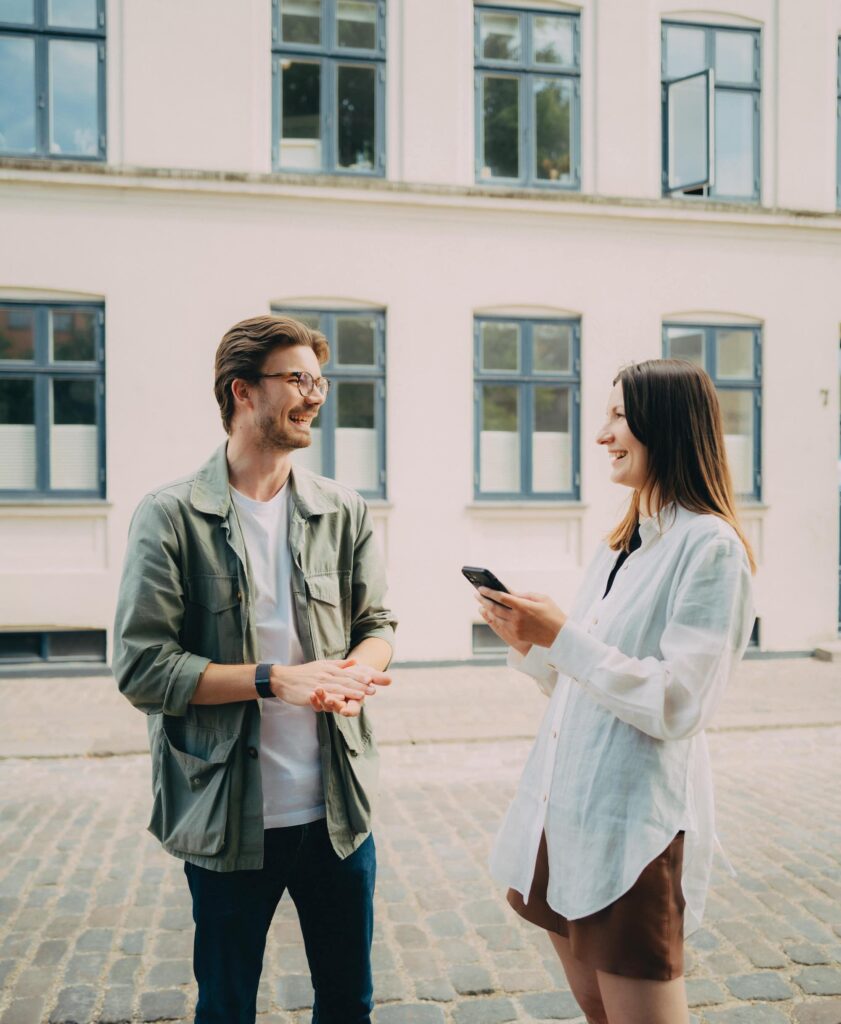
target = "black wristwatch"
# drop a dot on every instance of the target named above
(261, 680)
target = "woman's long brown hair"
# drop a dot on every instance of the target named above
(672, 408)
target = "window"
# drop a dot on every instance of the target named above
(52, 645)
(349, 437)
(732, 357)
(52, 78)
(328, 69)
(527, 377)
(838, 133)
(486, 642)
(527, 97)
(51, 400)
(711, 110)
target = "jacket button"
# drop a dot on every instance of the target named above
(252, 752)
(239, 595)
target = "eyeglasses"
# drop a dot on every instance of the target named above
(305, 381)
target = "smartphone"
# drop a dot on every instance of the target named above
(484, 578)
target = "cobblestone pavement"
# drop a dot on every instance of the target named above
(95, 921)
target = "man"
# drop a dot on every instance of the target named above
(251, 628)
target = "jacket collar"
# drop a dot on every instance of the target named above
(211, 490)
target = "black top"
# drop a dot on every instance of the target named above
(636, 541)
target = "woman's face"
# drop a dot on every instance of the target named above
(628, 456)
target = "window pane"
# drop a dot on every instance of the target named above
(74, 111)
(300, 21)
(312, 320)
(17, 12)
(734, 57)
(685, 51)
(73, 335)
(500, 37)
(737, 415)
(73, 436)
(357, 24)
(551, 441)
(18, 467)
(357, 117)
(554, 41)
(688, 132)
(300, 133)
(553, 116)
(735, 354)
(485, 640)
(500, 346)
(552, 348)
(356, 436)
(686, 343)
(501, 127)
(17, 334)
(73, 13)
(734, 163)
(355, 341)
(499, 440)
(17, 96)
(311, 458)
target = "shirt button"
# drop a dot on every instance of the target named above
(252, 752)
(554, 734)
(544, 797)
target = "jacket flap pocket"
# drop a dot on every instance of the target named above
(216, 593)
(324, 588)
(191, 806)
(192, 765)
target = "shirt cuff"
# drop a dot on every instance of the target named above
(185, 679)
(533, 664)
(576, 652)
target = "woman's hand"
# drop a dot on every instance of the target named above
(521, 619)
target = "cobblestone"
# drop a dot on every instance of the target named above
(91, 905)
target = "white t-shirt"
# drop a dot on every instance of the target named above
(290, 759)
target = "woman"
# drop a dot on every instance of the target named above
(608, 842)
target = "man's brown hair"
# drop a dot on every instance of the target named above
(671, 406)
(243, 350)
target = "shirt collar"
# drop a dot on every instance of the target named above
(211, 492)
(657, 525)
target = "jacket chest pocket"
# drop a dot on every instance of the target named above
(328, 609)
(212, 620)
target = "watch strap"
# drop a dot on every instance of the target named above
(261, 680)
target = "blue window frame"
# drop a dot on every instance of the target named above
(715, 126)
(527, 378)
(732, 356)
(328, 86)
(349, 434)
(52, 79)
(52, 407)
(527, 84)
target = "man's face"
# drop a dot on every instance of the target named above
(282, 416)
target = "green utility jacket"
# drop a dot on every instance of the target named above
(185, 601)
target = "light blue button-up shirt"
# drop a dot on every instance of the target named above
(620, 763)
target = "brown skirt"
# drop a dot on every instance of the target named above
(640, 935)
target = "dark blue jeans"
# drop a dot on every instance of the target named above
(335, 903)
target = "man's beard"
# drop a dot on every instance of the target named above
(272, 438)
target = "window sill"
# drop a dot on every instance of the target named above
(54, 508)
(529, 509)
(98, 174)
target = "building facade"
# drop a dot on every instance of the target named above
(488, 208)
